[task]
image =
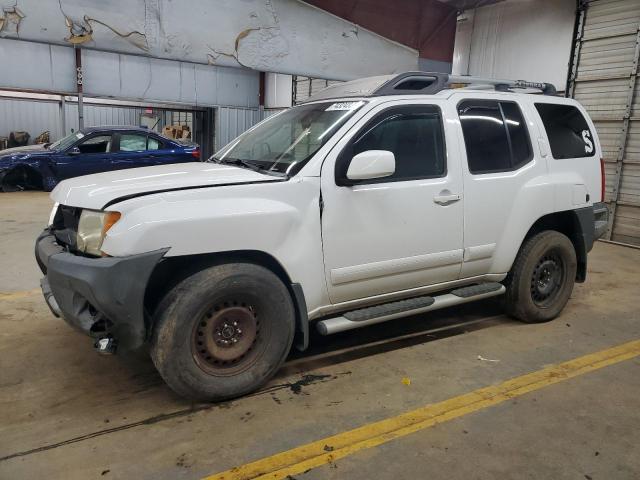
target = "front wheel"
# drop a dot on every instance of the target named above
(223, 331)
(542, 277)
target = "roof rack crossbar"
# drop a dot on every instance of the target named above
(502, 85)
(433, 82)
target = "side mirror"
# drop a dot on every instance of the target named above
(372, 164)
(74, 151)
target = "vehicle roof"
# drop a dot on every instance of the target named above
(445, 94)
(115, 128)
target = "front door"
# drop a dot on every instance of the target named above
(89, 155)
(399, 232)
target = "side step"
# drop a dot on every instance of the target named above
(403, 308)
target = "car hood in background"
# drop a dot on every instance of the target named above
(95, 191)
(26, 150)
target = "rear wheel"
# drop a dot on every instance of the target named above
(542, 278)
(223, 332)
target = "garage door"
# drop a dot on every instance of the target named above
(604, 79)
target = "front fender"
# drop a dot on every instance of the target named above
(281, 219)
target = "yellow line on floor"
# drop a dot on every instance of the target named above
(330, 449)
(18, 295)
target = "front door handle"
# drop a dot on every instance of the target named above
(446, 198)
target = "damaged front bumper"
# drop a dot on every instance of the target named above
(102, 297)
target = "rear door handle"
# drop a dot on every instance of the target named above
(446, 198)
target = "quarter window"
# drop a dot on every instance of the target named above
(495, 136)
(567, 130)
(413, 134)
(153, 144)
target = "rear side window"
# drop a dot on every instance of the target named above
(495, 135)
(415, 136)
(131, 142)
(567, 130)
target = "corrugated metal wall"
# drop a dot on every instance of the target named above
(96, 115)
(30, 116)
(36, 116)
(231, 122)
(604, 80)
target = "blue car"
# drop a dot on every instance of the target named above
(91, 150)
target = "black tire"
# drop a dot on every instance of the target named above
(223, 332)
(542, 277)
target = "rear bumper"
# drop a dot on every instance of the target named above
(601, 219)
(98, 296)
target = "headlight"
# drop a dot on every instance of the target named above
(92, 228)
(52, 215)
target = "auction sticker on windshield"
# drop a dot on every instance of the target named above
(343, 106)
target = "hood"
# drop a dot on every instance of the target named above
(95, 191)
(27, 150)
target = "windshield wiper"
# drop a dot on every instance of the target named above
(250, 165)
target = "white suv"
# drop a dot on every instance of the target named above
(377, 199)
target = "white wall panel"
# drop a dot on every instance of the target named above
(516, 39)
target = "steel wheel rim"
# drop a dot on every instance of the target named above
(225, 339)
(547, 279)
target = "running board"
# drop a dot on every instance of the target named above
(403, 308)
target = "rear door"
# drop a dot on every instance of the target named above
(132, 151)
(506, 183)
(162, 151)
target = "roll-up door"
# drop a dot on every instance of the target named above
(604, 79)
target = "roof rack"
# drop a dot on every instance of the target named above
(431, 82)
(422, 83)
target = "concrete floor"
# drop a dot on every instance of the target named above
(66, 412)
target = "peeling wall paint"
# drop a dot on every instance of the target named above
(10, 18)
(286, 36)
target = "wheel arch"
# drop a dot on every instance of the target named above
(171, 270)
(575, 225)
(36, 176)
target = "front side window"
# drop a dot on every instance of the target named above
(495, 136)
(132, 142)
(283, 143)
(568, 132)
(97, 144)
(413, 134)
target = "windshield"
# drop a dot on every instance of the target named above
(66, 142)
(283, 143)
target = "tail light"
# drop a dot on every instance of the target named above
(196, 153)
(602, 180)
